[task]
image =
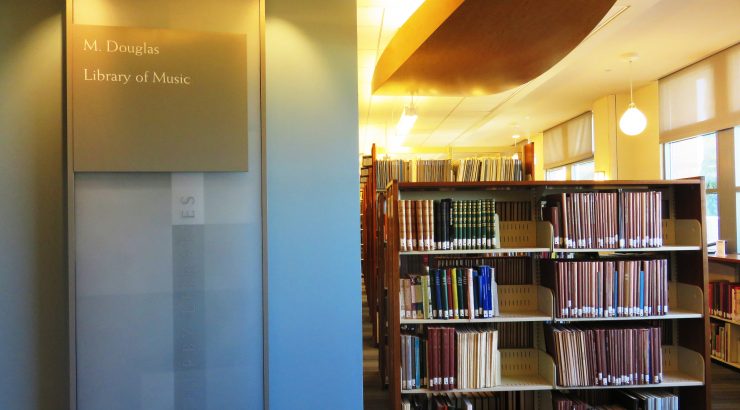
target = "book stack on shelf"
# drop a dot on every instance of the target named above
(388, 170)
(485, 169)
(446, 358)
(609, 288)
(724, 308)
(445, 224)
(455, 293)
(620, 305)
(619, 400)
(488, 169)
(599, 356)
(724, 304)
(606, 220)
(524, 400)
(724, 300)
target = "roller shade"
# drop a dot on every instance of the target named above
(701, 98)
(569, 142)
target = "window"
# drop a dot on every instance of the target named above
(583, 171)
(692, 157)
(556, 174)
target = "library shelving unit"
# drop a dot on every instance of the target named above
(369, 241)
(686, 350)
(727, 268)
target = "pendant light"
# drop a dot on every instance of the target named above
(407, 120)
(633, 121)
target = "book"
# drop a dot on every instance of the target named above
(608, 287)
(446, 358)
(724, 299)
(596, 355)
(459, 293)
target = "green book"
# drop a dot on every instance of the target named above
(464, 224)
(455, 220)
(478, 224)
(484, 221)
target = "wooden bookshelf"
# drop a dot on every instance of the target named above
(686, 360)
(726, 268)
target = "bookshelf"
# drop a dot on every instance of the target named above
(686, 351)
(727, 352)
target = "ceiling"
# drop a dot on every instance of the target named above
(667, 35)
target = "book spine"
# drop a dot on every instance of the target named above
(453, 287)
(443, 288)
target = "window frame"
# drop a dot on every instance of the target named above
(726, 188)
(569, 169)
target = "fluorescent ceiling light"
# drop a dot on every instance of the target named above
(407, 120)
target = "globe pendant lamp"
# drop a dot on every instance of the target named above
(633, 121)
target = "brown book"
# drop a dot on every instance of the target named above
(451, 356)
(419, 232)
(402, 224)
(410, 222)
(445, 350)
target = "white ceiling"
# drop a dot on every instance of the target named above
(667, 34)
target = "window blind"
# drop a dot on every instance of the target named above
(569, 142)
(701, 98)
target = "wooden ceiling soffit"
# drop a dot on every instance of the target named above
(482, 47)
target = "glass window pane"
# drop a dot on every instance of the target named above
(712, 218)
(583, 170)
(556, 174)
(693, 157)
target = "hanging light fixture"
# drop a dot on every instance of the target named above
(407, 120)
(633, 121)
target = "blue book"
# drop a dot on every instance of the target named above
(476, 294)
(489, 304)
(643, 308)
(418, 363)
(483, 296)
(615, 292)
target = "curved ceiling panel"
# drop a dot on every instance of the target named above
(480, 47)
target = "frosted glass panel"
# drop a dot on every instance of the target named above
(169, 284)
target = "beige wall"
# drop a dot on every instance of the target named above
(539, 157)
(622, 156)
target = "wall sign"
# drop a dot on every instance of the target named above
(157, 100)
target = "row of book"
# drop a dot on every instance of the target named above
(606, 356)
(446, 358)
(724, 299)
(478, 358)
(609, 288)
(445, 224)
(446, 170)
(724, 343)
(432, 170)
(387, 170)
(510, 270)
(489, 169)
(513, 400)
(450, 293)
(605, 220)
(615, 400)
